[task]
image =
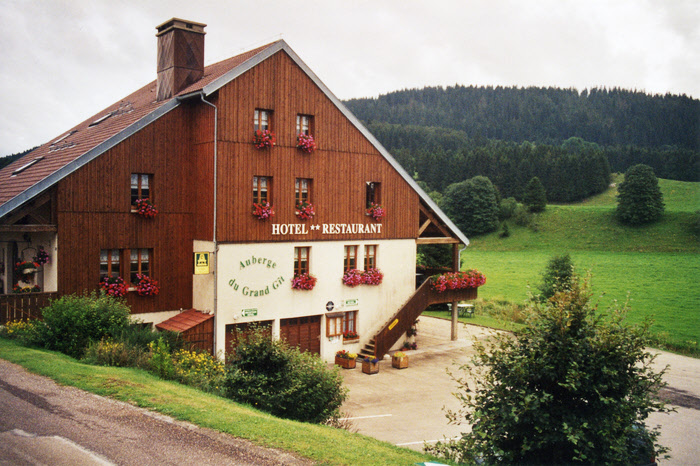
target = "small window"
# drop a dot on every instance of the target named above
(262, 119)
(140, 263)
(109, 263)
(373, 193)
(301, 260)
(261, 189)
(334, 326)
(302, 190)
(350, 261)
(304, 123)
(140, 187)
(350, 322)
(370, 256)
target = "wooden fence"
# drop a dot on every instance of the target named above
(23, 306)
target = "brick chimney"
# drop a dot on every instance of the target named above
(180, 56)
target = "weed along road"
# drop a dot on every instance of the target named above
(44, 423)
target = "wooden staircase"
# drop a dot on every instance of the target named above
(404, 318)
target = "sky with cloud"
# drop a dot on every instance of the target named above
(65, 60)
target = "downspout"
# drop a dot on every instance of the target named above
(216, 243)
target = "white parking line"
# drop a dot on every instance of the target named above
(365, 417)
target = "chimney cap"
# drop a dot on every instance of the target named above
(177, 23)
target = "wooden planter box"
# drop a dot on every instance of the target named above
(345, 363)
(399, 362)
(351, 341)
(370, 367)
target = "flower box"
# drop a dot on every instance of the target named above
(305, 211)
(263, 210)
(146, 286)
(350, 337)
(399, 360)
(376, 211)
(345, 363)
(304, 281)
(306, 143)
(457, 281)
(370, 366)
(145, 208)
(264, 139)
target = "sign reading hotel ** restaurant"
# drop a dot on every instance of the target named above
(327, 228)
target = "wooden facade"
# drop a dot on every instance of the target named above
(197, 151)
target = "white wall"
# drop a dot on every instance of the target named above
(258, 276)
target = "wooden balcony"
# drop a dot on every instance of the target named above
(23, 306)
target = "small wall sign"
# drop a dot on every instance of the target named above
(249, 312)
(352, 302)
(329, 306)
(201, 263)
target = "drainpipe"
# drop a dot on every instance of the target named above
(216, 243)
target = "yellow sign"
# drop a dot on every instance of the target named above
(201, 263)
(393, 324)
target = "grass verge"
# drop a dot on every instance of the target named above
(322, 444)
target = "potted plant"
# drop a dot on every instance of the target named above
(25, 270)
(305, 211)
(26, 289)
(350, 337)
(114, 286)
(352, 277)
(263, 210)
(263, 139)
(306, 143)
(376, 211)
(399, 360)
(370, 366)
(345, 360)
(146, 286)
(304, 281)
(42, 257)
(145, 208)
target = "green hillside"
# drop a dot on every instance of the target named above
(658, 265)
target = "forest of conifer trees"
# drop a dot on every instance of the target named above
(570, 140)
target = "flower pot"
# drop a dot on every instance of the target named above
(349, 341)
(370, 367)
(399, 362)
(346, 363)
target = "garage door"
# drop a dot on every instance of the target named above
(302, 332)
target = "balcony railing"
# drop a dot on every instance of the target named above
(23, 306)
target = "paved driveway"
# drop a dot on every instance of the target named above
(405, 407)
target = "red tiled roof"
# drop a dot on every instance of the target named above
(184, 321)
(85, 138)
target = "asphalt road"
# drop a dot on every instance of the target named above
(44, 423)
(406, 407)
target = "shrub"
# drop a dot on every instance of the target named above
(570, 387)
(72, 322)
(535, 196)
(280, 380)
(507, 208)
(26, 332)
(113, 352)
(639, 198)
(557, 276)
(161, 362)
(472, 205)
(200, 370)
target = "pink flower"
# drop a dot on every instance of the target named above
(457, 280)
(305, 211)
(263, 210)
(352, 277)
(263, 139)
(372, 277)
(306, 142)
(304, 281)
(376, 211)
(145, 208)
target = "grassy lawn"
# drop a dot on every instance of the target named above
(325, 445)
(657, 266)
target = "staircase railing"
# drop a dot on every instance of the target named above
(414, 307)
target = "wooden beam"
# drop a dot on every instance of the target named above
(437, 241)
(428, 213)
(423, 227)
(27, 228)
